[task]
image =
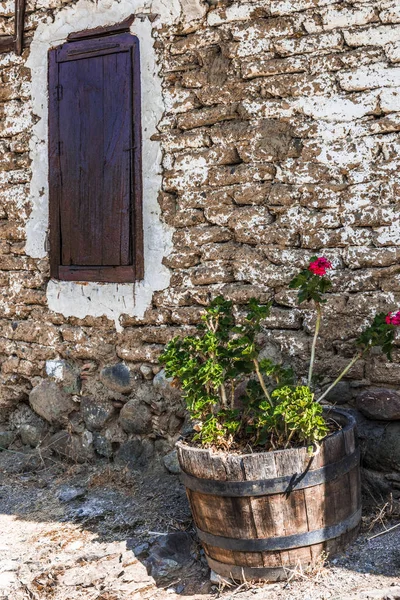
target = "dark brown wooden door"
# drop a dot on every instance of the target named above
(95, 181)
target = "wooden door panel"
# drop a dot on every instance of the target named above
(95, 162)
(81, 113)
(117, 160)
(95, 134)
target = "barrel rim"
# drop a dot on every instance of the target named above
(350, 424)
(254, 488)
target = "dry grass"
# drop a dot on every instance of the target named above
(381, 515)
(110, 476)
(313, 572)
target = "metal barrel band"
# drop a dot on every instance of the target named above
(287, 542)
(249, 573)
(277, 485)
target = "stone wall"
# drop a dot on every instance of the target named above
(280, 139)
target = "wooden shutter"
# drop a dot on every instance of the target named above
(95, 160)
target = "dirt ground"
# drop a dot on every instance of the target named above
(95, 532)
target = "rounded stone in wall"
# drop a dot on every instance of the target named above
(114, 433)
(380, 443)
(6, 438)
(381, 484)
(102, 445)
(135, 453)
(386, 450)
(96, 412)
(31, 435)
(51, 403)
(146, 371)
(117, 378)
(380, 404)
(29, 426)
(72, 446)
(135, 417)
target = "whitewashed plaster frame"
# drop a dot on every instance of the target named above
(97, 299)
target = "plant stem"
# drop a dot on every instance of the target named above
(289, 438)
(214, 328)
(262, 382)
(346, 370)
(314, 344)
(223, 396)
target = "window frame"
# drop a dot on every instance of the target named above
(95, 45)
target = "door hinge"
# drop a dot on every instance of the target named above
(59, 89)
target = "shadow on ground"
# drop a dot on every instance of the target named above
(146, 512)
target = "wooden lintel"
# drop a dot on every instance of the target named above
(19, 25)
(105, 30)
(6, 43)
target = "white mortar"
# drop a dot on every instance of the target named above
(97, 299)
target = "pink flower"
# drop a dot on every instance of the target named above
(393, 319)
(320, 266)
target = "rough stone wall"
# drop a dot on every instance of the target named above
(280, 140)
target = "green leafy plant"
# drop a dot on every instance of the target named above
(211, 365)
(234, 398)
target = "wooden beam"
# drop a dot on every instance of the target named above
(106, 30)
(6, 43)
(19, 25)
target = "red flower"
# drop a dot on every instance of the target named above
(320, 266)
(393, 319)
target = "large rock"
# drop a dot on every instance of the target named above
(96, 412)
(135, 453)
(71, 446)
(32, 434)
(383, 452)
(102, 445)
(169, 555)
(135, 417)
(171, 462)
(380, 443)
(6, 438)
(380, 485)
(117, 378)
(31, 428)
(51, 403)
(380, 404)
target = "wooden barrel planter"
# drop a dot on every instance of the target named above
(260, 516)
